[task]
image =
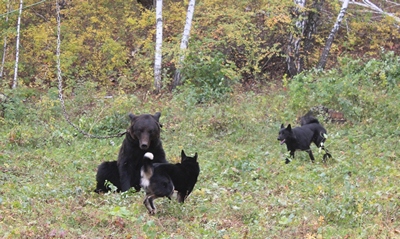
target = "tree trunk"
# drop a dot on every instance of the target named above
(14, 85)
(148, 4)
(310, 29)
(293, 60)
(368, 4)
(5, 43)
(184, 42)
(158, 55)
(301, 40)
(324, 56)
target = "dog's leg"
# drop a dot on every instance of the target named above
(327, 154)
(181, 197)
(151, 199)
(291, 155)
(148, 202)
(311, 155)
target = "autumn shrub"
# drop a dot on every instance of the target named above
(208, 76)
(14, 106)
(358, 89)
(249, 39)
(112, 124)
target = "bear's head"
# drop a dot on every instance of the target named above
(145, 128)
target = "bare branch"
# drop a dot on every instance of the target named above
(368, 4)
(393, 3)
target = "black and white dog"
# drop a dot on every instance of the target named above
(161, 179)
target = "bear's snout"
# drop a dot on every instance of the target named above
(144, 140)
(144, 146)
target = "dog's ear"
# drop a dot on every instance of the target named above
(282, 126)
(195, 156)
(157, 116)
(289, 127)
(183, 155)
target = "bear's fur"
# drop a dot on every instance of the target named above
(143, 135)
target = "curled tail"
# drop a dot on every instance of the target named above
(308, 119)
(147, 170)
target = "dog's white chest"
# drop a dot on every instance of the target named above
(144, 180)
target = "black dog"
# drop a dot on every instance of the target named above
(160, 179)
(143, 135)
(155, 185)
(300, 138)
(107, 171)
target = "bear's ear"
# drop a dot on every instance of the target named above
(157, 116)
(289, 127)
(132, 117)
(282, 126)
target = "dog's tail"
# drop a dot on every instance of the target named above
(308, 119)
(147, 170)
(147, 162)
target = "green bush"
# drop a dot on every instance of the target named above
(14, 104)
(357, 89)
(207, 76)
(112, 124)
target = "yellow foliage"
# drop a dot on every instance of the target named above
(114, 39)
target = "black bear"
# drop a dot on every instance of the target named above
(143, 135)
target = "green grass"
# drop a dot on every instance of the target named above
(47, 173)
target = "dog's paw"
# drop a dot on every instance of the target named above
(152, 211)
(326, 156)
(287, 161)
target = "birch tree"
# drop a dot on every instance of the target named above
(374, 8)
(158, 54)
(302, 37)
(293, 60)
(5, 43)
(324, 56)
(184, 42)
(14, 85)
(310, 29)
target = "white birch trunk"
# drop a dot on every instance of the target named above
(3, 60)
(324, 56)
(14, 85)
(158, 54)
(368, 4)
(184, 42)
(293, 59)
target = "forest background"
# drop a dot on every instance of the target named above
(237, 89)
(111, 43)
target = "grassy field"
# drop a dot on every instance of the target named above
(47, 172)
